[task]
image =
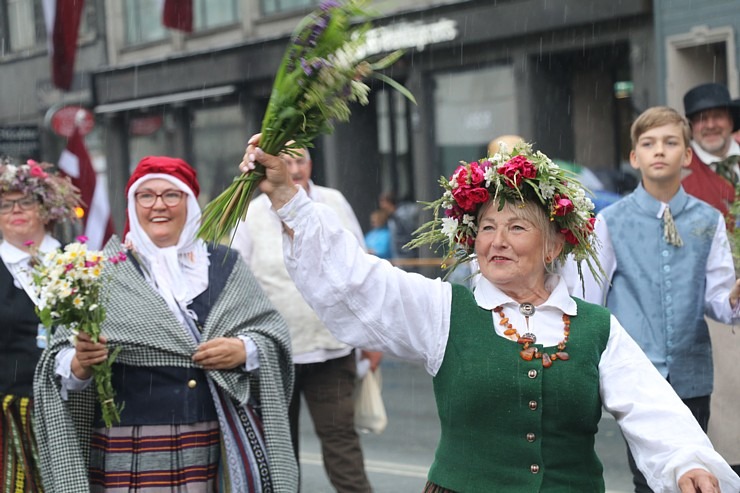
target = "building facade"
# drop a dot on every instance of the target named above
(696, 42)
(567, 77)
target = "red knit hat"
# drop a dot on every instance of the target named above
(167, 166)
(175, 167)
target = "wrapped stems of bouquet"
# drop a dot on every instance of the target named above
(102, 372)
(321, 73)
(70, 286)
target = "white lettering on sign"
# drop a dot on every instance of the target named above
(407, 35)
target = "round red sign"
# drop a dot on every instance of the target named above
(64, 120)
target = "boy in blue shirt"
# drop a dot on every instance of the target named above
(667, 262)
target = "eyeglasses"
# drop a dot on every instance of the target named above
(24, 204)
(170, 198)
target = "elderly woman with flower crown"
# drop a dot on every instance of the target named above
(32, 200)
(204, 377)
(521, 370)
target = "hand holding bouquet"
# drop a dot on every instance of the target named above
(320, 74)
(70, 287)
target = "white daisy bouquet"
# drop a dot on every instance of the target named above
(321, 74)
(70, 287)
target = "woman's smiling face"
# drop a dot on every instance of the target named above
(511, 249)
(21, 224)
(162, 223)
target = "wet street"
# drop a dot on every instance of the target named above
(397, 460)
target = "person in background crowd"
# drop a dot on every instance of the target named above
(403, 219)
(521, 370)
(713, 177)
(713, 171)
(205, 378)
(378, 239)
(662, 281)
(325, 368)
(32, 200)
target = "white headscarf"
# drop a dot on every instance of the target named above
(179, 273)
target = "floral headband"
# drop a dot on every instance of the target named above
(57, 196)
(514, 176)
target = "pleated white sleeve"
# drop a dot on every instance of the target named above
(363, 300)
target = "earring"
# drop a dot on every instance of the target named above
(548, 259)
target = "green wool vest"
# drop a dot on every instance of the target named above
(510, 425)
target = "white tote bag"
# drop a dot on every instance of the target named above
(370, 414)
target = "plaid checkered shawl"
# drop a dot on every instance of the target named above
(139, 321)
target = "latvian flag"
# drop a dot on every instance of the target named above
(62, 18)
(178, 14)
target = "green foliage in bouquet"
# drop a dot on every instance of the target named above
(320, 75)
(733, 231)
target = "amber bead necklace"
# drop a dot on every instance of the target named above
(528, 351)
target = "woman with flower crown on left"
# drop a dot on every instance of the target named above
(32, 200)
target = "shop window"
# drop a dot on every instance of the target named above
(218, 146)
(143, 22)
(396, 168)
(270, 7)
(214, 13)
(472, 107)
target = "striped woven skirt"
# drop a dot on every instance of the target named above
(19, 471)
(433, 488)
(156, 459)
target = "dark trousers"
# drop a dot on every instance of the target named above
(699, 407)
(328, 389)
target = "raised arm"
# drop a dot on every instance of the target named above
(363, 301)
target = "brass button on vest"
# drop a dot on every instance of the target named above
(532, 374)
(192, 384)
(530, 437)
(534, 468)
(533, 405)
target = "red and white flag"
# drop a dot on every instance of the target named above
(75, 162)
(178, 14)
(62, 19)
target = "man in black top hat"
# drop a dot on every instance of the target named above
(713, 175)
(713, 172)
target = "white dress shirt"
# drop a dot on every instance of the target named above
(366, 302)
(17, 262)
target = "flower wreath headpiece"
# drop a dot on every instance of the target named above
(511, 176)
(56, 194)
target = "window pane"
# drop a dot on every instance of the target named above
(21, 24)
(276, 6)
(218, 137)
(214, 13)
(144, 22)
(472, 108)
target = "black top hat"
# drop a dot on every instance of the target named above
(712, 95)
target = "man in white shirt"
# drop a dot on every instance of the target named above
(325, 369)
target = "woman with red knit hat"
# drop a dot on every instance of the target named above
(204, 377)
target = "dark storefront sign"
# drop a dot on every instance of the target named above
(20, 142)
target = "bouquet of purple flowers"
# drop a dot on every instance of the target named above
(321, 73)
